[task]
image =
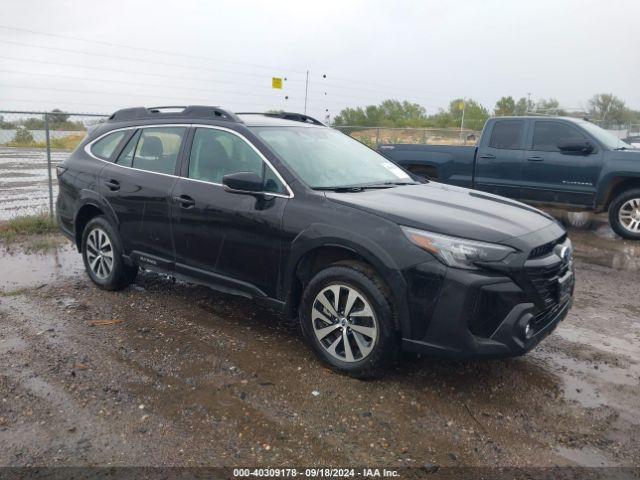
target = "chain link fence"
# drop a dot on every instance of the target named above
(374, 136)
(31, 145)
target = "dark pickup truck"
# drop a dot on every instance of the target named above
(554, 161)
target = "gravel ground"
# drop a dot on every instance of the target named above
(166, 373)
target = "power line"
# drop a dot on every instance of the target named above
(138, 60)
(129, 72)
(144, 49)
(137, 83)
(99, 92)
(316, 96)
(323, 85)
(198, 57)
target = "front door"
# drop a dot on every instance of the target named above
(230, 239)
(552, 176)
(138, 187)
(499, 159)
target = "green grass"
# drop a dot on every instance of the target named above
(27, 225)
(65, 143)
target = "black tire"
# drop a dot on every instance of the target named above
(119, 275)
(614, 214)
(360, 278)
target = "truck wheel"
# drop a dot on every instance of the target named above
(102, 255)
(347, 317)
(624, 214)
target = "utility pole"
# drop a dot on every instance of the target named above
(464, 106)
(306, 90)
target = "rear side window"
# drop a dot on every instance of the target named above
(507, 134)
(156, 149)
(547, 135)
(105, 147)
(126, 156)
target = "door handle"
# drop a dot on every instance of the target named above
(112, 185)
(535, 158)
(487, 155)
(185, 201)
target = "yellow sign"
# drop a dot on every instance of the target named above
(276, 82)
(461, 106)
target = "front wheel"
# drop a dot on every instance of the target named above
(347, 317)
(624, 214)
(102, 255)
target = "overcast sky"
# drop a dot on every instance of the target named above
(227, 51)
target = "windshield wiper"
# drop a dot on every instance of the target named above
(622, 148)
(353, 188)
(365, 186)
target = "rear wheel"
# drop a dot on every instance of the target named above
(347, 317)
(624, 214)
(102, 255)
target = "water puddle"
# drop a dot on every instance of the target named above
(20, 269)
(607, 343)
(595, 242)
(585, 457)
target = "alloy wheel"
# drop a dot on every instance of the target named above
(99, 253)
(344, 323)
(629, 215)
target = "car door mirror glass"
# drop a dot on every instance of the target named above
(243, 182)
(575, 147)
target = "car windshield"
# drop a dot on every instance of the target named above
(608, 139)
(325, 158)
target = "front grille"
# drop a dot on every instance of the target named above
(545, 281)
(546, 248)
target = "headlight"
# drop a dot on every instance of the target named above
(457, 252)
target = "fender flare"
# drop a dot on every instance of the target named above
(317, 236)
(89, 197)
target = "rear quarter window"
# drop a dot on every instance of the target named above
(105, 147)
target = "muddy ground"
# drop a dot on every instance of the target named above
(166, 373)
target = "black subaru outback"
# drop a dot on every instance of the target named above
(282, 209)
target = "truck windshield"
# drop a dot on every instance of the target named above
(324, 158)
(608, 139)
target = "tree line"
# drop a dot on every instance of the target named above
(604, 108)
(58, 120)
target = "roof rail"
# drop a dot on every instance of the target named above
(198, 111)
(296, 117)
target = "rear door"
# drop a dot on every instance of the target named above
(500, 158)
(138, 187)
(552, 176)
(229, 239)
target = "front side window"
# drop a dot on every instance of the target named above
(216, 153)
(157, 149)
(548, 135)
(105, 147)
(507, 134)
(325, 158)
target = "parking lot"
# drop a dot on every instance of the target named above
(166, 373)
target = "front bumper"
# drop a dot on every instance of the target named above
(487, 313)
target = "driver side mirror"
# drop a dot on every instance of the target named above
(576, 147)
(243, 182)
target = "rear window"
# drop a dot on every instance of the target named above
(105, 147)
(507, 134)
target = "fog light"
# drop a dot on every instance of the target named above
(528, 331)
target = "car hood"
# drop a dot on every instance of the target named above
(449, 210)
